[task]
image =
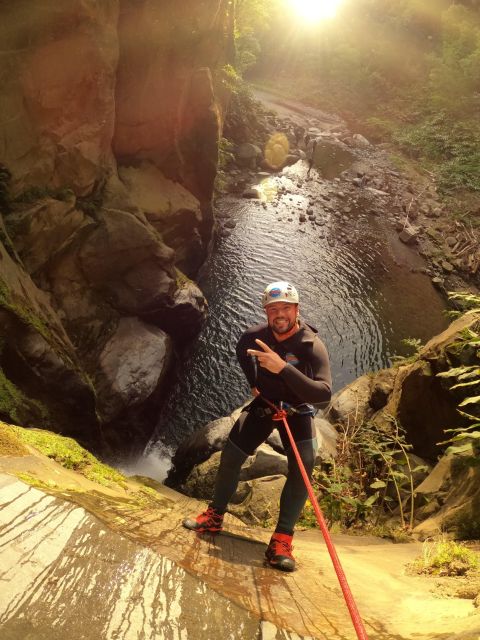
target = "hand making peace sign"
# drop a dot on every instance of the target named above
(267, 358)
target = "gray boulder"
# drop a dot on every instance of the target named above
(265, 462)
(248, 155)
(409, 234)
(133, 365)
(199, 447)
(360, 141)
(351, 405)
(256, 501)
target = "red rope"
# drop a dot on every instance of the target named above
(281, 415)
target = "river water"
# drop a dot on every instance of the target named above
(359, 286)
(364, 295)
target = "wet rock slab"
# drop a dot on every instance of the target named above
(132, 572)
(64, 575)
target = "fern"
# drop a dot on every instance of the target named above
(466, 439)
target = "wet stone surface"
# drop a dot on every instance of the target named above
(89, 566)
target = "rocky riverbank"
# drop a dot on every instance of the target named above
(439, 495)
(366, 180)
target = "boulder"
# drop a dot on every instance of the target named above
(326, 439)
(261, 500)
(381, 389)
(360, 141)
(252, 193)
(183, 313)
(255, 501)
(422, 407)
(248, 155)
(330, 156)
(351, 405)
(291, 159)
(133, 365)
(172, 210)
(409, 234)
(45, 230)
(265, 462)
(125, 259)
(199, 447)
(452, 496)
(44, 382)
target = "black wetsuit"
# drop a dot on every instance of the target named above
(305, 379)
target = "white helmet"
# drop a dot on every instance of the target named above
(279, 292)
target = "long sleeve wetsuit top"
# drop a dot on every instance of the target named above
(305, 378)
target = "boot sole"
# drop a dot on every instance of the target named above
(279, 567)
(193, 525)
(288, 566)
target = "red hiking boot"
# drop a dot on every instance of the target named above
(279, 552)
(210, 520)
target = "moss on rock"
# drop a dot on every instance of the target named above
(17, 407)
(10, 445)
(68, 453)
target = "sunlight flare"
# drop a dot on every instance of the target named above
(315, 10)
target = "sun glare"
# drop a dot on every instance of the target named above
(315, 10)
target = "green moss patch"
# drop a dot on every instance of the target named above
(10, 445)
(70, 455)
(446, 558)
(17, 407)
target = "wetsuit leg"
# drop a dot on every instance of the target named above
(248, 432)
(294, 494)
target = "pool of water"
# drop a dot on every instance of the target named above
(359, 286)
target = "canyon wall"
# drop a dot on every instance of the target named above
(109, 128)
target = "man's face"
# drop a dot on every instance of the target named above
(281, 316)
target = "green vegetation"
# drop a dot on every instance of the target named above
(463, 380)
(10, 445)
(446, 557)
(70, 455)
(32, 194)
(251, 22)
(17, 407)
(9, 301)
(371, 478)
(407, 72)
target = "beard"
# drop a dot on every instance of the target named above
(282, 325)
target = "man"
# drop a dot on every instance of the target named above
(285, 362)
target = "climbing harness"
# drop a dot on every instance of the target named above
(300, 410)
(279, 414)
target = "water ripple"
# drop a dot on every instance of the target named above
(350, 292)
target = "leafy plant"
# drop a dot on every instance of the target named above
(446, 557)
(371, 477)
(466, 384)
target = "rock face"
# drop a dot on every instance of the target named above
(110, 141)
(451, 497)
(58, 82)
